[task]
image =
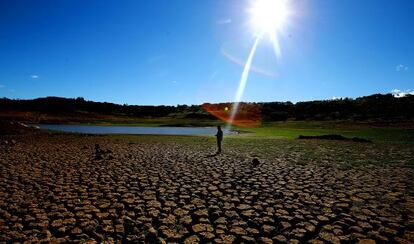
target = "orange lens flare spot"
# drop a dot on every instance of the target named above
(248, 115)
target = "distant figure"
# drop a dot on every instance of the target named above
(255, 162)
(219, 136)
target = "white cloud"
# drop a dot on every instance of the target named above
(336, 98)
(401, 67)
(224, 21)
(399, 93)
(34, 76)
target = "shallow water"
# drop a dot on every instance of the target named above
(141, 130)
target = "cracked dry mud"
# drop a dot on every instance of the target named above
(63, 188)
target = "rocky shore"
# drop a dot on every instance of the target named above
(89, 189)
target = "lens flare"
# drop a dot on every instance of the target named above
(268, 18)
(248, 114)
(243, 81)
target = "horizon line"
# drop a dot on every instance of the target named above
(178, 104)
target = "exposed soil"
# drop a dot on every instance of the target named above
(56, 187)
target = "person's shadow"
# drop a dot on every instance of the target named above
(212, 155)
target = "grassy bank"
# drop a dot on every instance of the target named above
(292, 129)
(384, 133)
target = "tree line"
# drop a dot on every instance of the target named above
(377, 106)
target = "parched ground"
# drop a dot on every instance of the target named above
(61, 188)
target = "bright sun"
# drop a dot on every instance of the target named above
(268, 16)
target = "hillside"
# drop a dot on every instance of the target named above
(377, 107)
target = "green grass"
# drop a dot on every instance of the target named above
(288, 129)
(343, 154)
(292, 129)
(277, 141)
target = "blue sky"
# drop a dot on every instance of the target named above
(190, 52)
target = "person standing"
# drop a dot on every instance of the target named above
(219, 137)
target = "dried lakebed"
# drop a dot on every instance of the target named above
(64, 188)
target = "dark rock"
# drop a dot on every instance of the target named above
(255, 162)
(334, 137)
(357, 139)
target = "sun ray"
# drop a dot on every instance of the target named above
(276, 45)
(268, 18)
(243, 81)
